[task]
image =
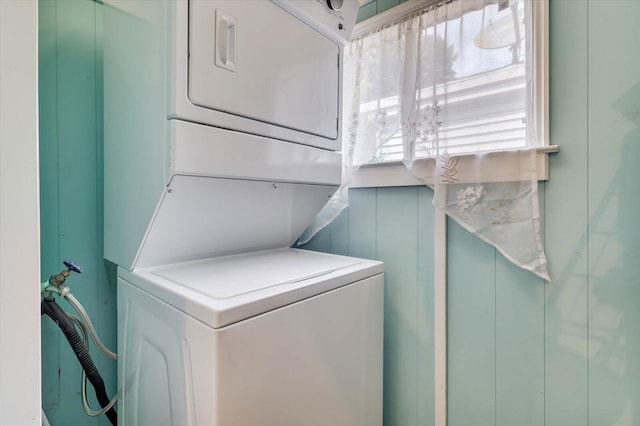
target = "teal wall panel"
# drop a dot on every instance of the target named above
(321, 241)
(382, 5)
(424, 316)
(340, 234)
(471, 329)
(367, 11)
(519, 350)
(363, 223)
(566, 219)
(48, 121)
(397, 246)
(613, 206)
(107, 272)
(70, 52)
(376, 6)
(76, 172)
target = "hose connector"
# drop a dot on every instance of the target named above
(63, 291)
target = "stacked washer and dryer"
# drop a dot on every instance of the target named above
(222, 132)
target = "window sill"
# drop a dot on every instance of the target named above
(394, 173)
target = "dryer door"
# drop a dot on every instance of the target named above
(255, 60)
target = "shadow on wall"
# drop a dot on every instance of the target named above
(612, 244)
(615, 297)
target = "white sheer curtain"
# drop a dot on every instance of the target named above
(371, 111)
(452, 83)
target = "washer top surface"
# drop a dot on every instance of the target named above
(220, 291)
(232, 276)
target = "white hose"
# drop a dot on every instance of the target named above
(83, 385)
(85, 403)
(87, 321)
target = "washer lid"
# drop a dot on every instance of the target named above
(220, 291)
(232, 276)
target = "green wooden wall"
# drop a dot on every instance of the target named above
(70, 86)
(373, 7)
(521, 352)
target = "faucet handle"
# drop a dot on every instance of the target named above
(72, 266)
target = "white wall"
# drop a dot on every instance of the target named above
(19, 218)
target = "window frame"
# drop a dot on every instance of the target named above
(394, 173)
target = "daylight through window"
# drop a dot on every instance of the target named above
(474, 82)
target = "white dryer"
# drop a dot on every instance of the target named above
(222, 131)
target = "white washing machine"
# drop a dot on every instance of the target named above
(278, 337)
(222, 131)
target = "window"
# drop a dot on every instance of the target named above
(480, 79)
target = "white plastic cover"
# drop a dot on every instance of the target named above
(224, 290)
(201, 217)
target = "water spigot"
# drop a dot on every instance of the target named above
(59, 279)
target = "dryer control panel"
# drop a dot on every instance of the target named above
(334, 18)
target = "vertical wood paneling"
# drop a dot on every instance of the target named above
(106, 272)
(366, 11)
(614, 203)
(48, 147)
(77, 174)
(541, 205)
(519, 346)
(71, 186)
(566, 195)
(321, 241)
(382, 5)
(340, 233)
(334, 238)
(362, 223)
(425, 317)
(397, 247)
(471, 316)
